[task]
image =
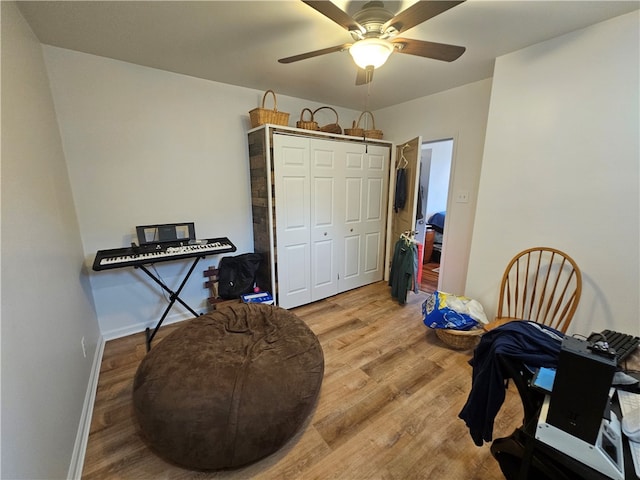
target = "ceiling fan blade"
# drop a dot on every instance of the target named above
(417, 13)
(315, 53)
(332, 12)
(364, 76)
(437, 51)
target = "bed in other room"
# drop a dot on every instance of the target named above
(436, 222)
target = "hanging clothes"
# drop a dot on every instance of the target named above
(419, 215)
(404, 266)
(400, 197)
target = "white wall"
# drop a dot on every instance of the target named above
(460, 114)
(146, 146)
(439, 175)
(561, 168)
(133, 137)
(46, 299)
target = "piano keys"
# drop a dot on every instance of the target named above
(139, 256)
(162, 252)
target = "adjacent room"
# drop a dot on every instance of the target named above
(117, 115)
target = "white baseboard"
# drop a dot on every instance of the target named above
(84, 426)
(82, 436)
(141, 327)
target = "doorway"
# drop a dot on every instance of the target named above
(435, 172)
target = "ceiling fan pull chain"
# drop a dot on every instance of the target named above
(369, 82)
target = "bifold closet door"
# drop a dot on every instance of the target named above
(330, 199)
(364, 212)
(327, 194)
(293, 220)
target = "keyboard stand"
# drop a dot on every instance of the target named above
(138, 257)
(173, 298)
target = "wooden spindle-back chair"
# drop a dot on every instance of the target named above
(540, 284)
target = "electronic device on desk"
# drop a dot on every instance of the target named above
(616, 344)
(585, 430)
(543, 380)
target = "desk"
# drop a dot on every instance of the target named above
(521, 456)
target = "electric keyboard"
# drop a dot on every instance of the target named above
(162, 252)
(623, 344)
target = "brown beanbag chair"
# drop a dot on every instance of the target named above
(228, 388)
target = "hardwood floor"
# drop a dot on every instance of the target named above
(388, 407)
(430, 273)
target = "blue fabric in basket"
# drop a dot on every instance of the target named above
(437, 314)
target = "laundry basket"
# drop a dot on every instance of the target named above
(460, 339)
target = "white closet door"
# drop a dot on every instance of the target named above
(375, 184)
(330, 215)
(327, 188)
(366, 174)
(293, 220)
(351, 268)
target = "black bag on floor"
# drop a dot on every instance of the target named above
(237, 275)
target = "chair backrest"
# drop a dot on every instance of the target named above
(541, 284)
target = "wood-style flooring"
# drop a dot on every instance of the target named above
(430, 274)
(388, 408)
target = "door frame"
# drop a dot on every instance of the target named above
(412, 154)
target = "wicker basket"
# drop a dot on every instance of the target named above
(460, 339)
(356, 131)
(261, 116)
(331, 127)
(307, 124)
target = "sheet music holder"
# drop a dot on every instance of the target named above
(166, 232)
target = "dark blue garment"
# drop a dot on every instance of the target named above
(400, 197)
(530, 342)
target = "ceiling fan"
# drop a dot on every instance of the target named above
(375, 31)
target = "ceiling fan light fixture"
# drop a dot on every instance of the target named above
(371, 52)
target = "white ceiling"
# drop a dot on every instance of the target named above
(239, 42)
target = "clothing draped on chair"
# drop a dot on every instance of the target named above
(404, 267)
(534, 344)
